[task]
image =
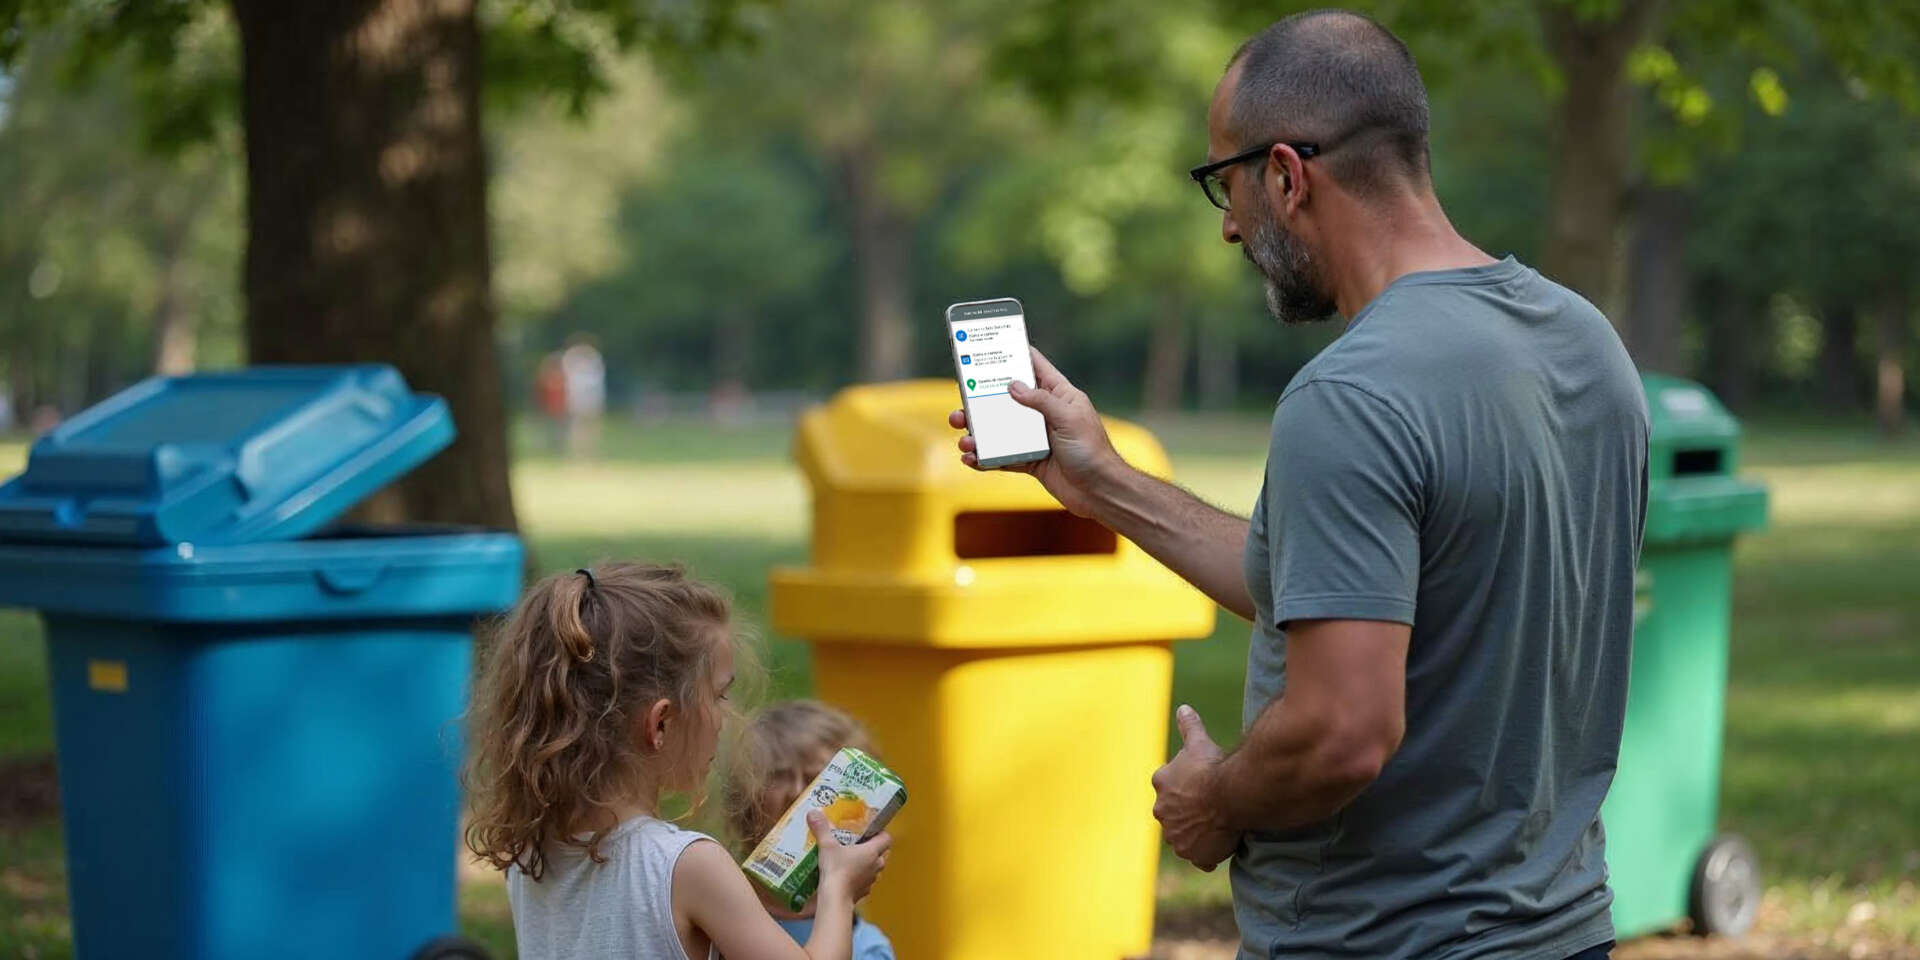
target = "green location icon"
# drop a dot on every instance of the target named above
(970, 384)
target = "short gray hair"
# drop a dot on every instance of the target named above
(1342, 81)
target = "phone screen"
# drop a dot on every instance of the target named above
(989, 340)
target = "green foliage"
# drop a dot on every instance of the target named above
(1820, 201)
(187, 64)
(1033, 149)
(101, 234)
(538, 47)
(558, 181)
(178, 58)
(721, 245)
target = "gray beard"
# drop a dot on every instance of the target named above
(1294, 291)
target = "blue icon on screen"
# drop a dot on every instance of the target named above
(966, 358)
(962, 335)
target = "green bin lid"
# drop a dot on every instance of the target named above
(1693, 452)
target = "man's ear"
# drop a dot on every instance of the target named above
(1282, 162)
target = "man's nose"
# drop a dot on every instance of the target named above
(1229, 231)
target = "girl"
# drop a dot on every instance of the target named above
(606, 689)
(789, 744)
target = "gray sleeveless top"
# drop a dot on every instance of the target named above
(620, 908)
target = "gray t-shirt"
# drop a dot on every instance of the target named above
(622, 907)
(1468, 458)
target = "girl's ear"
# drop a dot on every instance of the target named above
(653, 725)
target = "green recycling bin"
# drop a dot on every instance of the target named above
(1667, 858)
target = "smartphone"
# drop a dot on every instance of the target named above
(989, 341)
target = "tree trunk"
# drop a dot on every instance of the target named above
(1739, 331)
(1165, 381)
(175, 317)
(1895, 325)
(882, 242)
(1657, 274)
(730, 397)
(1592, 145)
(733, 349)
(1219, 368)
(1839, 361)
(367, 220)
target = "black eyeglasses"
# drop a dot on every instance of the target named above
(1207, 175)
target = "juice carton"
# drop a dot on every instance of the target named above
(858, 796)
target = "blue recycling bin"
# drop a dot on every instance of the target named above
(256, 711)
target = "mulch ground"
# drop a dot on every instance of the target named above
(29, 791)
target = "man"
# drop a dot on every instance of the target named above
(1439, 569)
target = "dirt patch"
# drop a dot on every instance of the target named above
(1195, 923)
(1764, 947)
(1650, 948)
(1209, 934)
(29, 791)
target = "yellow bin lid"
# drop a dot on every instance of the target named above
(911, 546)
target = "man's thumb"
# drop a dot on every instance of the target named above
(1192, 729)
(1034, 397)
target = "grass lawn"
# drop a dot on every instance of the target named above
(1823, 731)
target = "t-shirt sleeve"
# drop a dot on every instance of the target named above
(869, 943)
(1344, 505)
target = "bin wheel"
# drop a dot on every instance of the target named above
(1726, 888)
(451, 948)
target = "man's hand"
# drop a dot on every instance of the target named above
(1184, 797)
(1082, 455)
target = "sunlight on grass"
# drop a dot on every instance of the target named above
(760, 498)
(1230, 483)
(1892, 712)
(1863, 493)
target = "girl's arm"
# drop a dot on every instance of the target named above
(710, 891)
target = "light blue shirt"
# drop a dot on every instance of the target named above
(868, 942)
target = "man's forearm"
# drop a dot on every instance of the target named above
(1196, 540)
(1276, 779)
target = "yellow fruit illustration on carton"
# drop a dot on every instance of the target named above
(848, 812)
(845, 812)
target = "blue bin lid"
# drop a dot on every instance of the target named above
(267, 453)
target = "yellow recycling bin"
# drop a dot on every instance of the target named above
(1013, 663)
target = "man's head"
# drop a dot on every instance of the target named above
(1349, 89)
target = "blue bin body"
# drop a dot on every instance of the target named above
(258, 742)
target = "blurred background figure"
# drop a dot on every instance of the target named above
(550, 401)
(584, 375)
(45, 417)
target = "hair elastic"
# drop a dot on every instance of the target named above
(591, 583)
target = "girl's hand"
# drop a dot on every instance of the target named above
(848, 870)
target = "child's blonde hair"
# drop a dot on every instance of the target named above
(562, 690)
(781, 750)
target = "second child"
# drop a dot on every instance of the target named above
(789, 744)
